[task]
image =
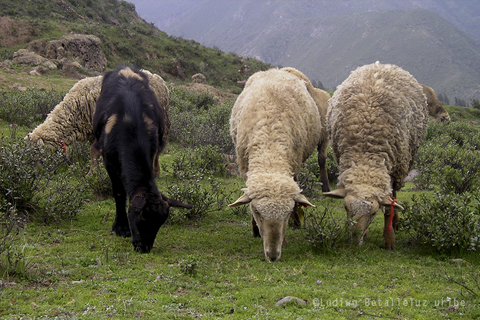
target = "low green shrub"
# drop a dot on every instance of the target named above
(309, 177)
(37, 182)
(196, 120)
(204, 193)
(189, 265)
(443, 221)
(28, 107)
(6, 54)
(449, 158)
(195, 183)
(202, 159)
(324, 231)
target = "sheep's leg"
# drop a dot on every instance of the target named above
(156, 165)
(389, 235)
(120, 225)
(322, 163)
(95, 154)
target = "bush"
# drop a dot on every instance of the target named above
(443, 221)
(308, 179)
(194, 182)
(6, 54)
(38, 183)
(204, 193)
(35, 183)
(196, 122)
(27, 107)
(449, 158)
(324, 231)
(202, 159)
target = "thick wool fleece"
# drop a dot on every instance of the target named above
(320, 97)
(377, 119)
(275, 126)
(72, 119)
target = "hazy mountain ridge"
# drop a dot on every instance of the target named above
(329, 39)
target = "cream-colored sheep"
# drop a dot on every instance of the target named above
(377, 119)
(72, 119)
(435, 107)
(275, 125)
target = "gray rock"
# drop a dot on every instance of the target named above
(287, 299)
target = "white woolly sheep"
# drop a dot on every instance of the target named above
(275, 126)
(435, 107)
(377, 119)
(72, 119)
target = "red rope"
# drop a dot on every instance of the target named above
(63, 146)
(392, 204)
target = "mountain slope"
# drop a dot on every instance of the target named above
(126, 38)
(327, 39)
(429, 47)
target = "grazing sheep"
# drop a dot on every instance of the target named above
(128, 126)
(275, 126)
(377, 119)
(71, 120)
(435, 107)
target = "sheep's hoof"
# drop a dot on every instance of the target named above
(121, 231)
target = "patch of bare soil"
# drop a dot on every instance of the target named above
(221, 96)
(14, 32)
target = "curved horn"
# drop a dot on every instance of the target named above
(387, 203)
(336, 194)
(244, 199)
(301, 199)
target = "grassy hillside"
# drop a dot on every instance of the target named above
(127, 39)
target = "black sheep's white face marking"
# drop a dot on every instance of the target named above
(111, 122)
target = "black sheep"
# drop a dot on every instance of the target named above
(129, 126)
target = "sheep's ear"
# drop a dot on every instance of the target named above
(138, 202)
(244, 199)
(336, 194)
(387, 203)
(300, 199)
(40, 142)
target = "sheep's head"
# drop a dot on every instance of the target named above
(360, 209)
(146, 214)
(444, 117)
(34, 138)
(271, 216)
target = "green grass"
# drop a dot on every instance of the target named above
(78, 269)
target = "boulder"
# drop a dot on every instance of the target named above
(86, 48)
(23, 56)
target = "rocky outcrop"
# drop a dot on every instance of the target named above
(87, 49)
(23, 56)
